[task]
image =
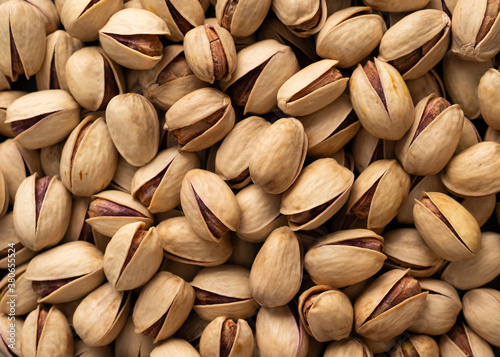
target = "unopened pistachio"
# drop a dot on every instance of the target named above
(481, 310)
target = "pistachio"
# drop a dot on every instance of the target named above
(486, 96)
(11, 350)
(8, 237)
(174, 347)
(6, 99)
(469, 137)
(396, 6)
(368, 148)
(24, 296)
(416, 346)
(481, 310)
(131, 344)
(304, 18)
(481, 208)
(462, 341)
(348, 347)
(84, 350)
(241, 17)
(425, 85)
(223, 337)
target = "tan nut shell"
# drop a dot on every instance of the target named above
(480, 207)
(489, 85)
(243, 343)
(293, 13)
(4, 328)
(391, 123)
(174, 347)
(131, 344)
(422, 344)
(425, 85)
(247, 17)
(84, 350)
(4, 195)
(366, 149)
(164, 294)
(7, 236)
(6, 99)
(101, 315)
(338, 265)
(181, 244)
(24, 296)
(349, 35)
(348, 347)
(482, 313)
(277, 157)
(396, 5)
(276, 273)
(479, 347)
(391, 322)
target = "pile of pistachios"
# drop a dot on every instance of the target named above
(245, 178)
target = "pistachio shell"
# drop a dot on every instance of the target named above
(396, 6)
(222, 330)
(124, 174)
(131, 344)
(6, 99)
(4, 196)
(478, 346)
(469, 136)
(368, 148)
(84, 350)
(8, 236)
(420, 344)
(489, 106)
(299, 15)
(174, 347)
(348, 347)
(243, 18)
(425, 85)
(192, 329)
(482, 313)
(480, 207)
(50, 159)
(11, 346)
(18, 290)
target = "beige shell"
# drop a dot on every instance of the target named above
(350, 35)
(84, 22)
(276, 273)
(124, 174)
(6, 99)
(429, 152)
(188, 13)
(492, 135)
(174, 347)
(4, 196)
(479, 347)
(475, 272)
(5, 348)
(295, 13)
(446, 5)
(18, 290)
(131, 344)
(246, 17)
(50, 159)
(180, 243)
(379, 346)
(277, 157)
(367, 148)
(55, 340)
(4, 83)
(280, 64)
(230, 281)
(131, 22)
(482, 313)
(244, 252)
(425, 85)
(60, 46)
(348, 347)
(391, 322)
(84, 350)
(192, 329)
(413, 32)
(60, 114)
(8, 237)
(488, 104)
(340, 265)
(79, 207)
(396, 5)
(232, 157)
(242, 340)
(46, 230)
(469, 137)
(423, 345)
(101, 315)
(166, 295)
(385, 123)
(480, 207)
(259, 213)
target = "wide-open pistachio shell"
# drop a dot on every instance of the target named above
(225, 337)
(479, 270)
(482, 313)
(489, 106)
(462, 341)
(396, 5)
(241, 18)
(6, 99)
(8, 238)
(349, 35)
(174, 347)
(11, 346)
(18, 290)
(132, 344)
(335, 262)
(425, 85)
(348, 347)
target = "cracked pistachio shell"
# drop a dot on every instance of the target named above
(93, 79)
(278, 156)
(101, 315)
(442, 307)
(132, 256)
(223, 291)
(279, 333)
(425, 85)
(321, 189)
(480, 207)
(88, 159)
(180, 243)
(233, 156)
(55, 339)
(211, 57)
(480, 270)
(395, 319)
(224, 337)
(469, 137)
(24, 296)
(8, 236)
(334, 262)
(261, 70)
(422, 345)
(385, 121)
(158, 183)
(6, 99)
(170, 79)
(174, 347)
(461, 79)
(482, 313)
(368, 148)
(348, 347)
(447, 6)
(425, 33)
(180, 16)
(405, 249)
(22, 39)
(4, 195)
(276, 273)
(467, 338)
(41, 222)
(79, 262)
(83, 19)
(200, 119)
(350, 35)
(312, 88)
(330, 128)
(134, 128)
(75, 231)
(10, 347)
(242, 18)
(319, 306)
(303, 18)
(476, 30)
(209, 204)
(43, 118)
(141, 30)
(132, 344)
(447, 227)
(59, 48)
(50, 159)
(84, 350)
(109, 225)
(124, 174)
(260, 213)
(392, 185)
(473, 172)
(489, 85)
(162, 306)
(426, 152)
(396, 5)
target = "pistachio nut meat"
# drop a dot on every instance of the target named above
(482, 311)
(223, 291)
(388, 306)
(46, 332)
(131, 38)
(345, 257)
(225, 337)
(416, 345)
(461, 341)
(9, 242)
(174, 347)
(425, 85)
(24, 296)
(6, 99)
(261, 70)
(131, 344)
(241, 17)
(486, 90)
(351, 346)
(162, 306)
(303, 18)
(5, 348)
(396, 6)
(319, 192)
(200, 119)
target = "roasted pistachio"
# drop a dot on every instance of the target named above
(482, 313)
(224, 337)
(174, 347)
(367, 148)
(416, 345)
(132, 344)
(489, 106)
(425, 85)
(6, 99)
(348, 347)
(8, 238)
(462, 341)
(469, 137)
(241, 17)
(396, 6)
(10, 346)
(481, 208)
(304, 18)
(20, 291)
